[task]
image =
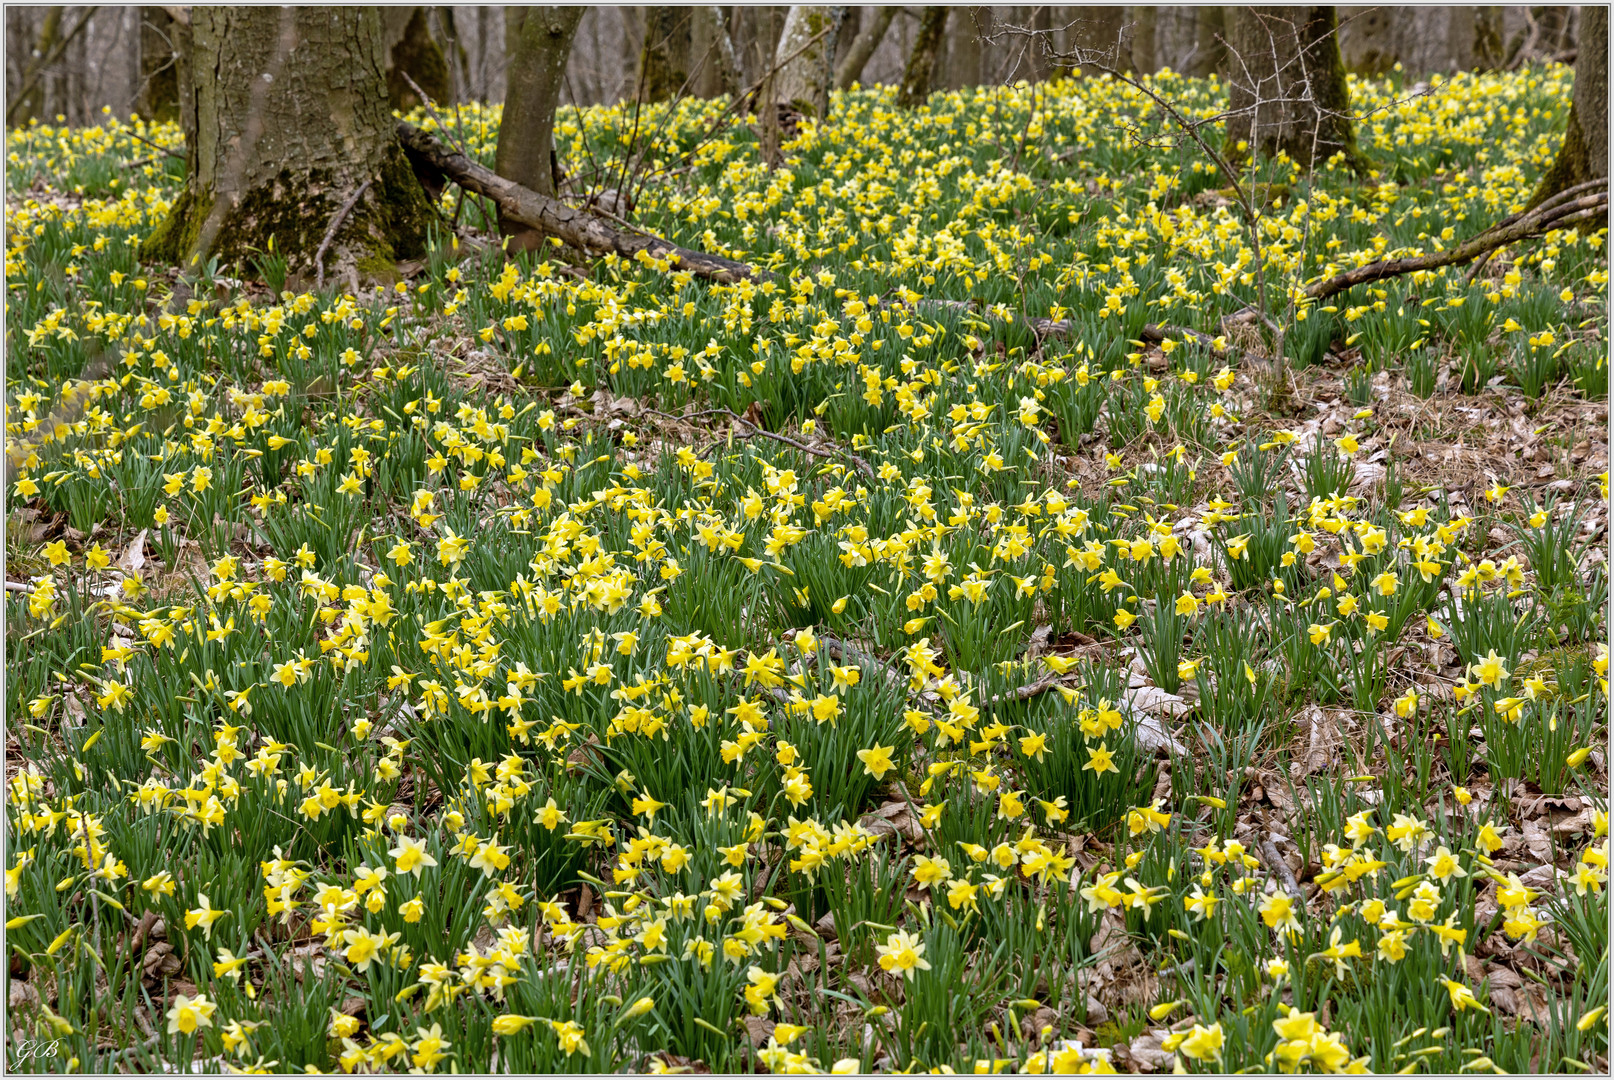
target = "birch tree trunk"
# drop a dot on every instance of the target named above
(288, 136)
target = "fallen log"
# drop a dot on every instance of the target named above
(432, 162)
(1571, 207)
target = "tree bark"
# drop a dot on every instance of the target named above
(526, 150)
(664, 63)
(966, 27)
(158, 95)
(287, 120)
(1187, 40)
(1423, 40)
(713, 49)
(920, 72)
(1488, 37)
(413, 52)
(850, 67)
(1584, 153)
(799, 83)
(756, 37)
(1287, 91)
(30, 98)
(459, 81)
(1104, 30)
(1042, 25)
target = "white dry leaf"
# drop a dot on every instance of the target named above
(1153, 736)
(134, 556)
(1148, 1055)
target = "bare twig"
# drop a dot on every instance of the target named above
(862, 466)
(154, 145)
(330, 233)
(1029, 690)
(451, 136)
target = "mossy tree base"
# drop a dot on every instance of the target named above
(291, 137)
(1584, 153)
(290, 215)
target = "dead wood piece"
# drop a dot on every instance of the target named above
(1571, 207)
(1276, 864)
(1029, 690)
(433, 161)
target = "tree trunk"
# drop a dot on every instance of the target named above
(713, 49)
(1145, 20)
(157, 97)
(1584, 154)
(1186, 39)
(413, 52)
(799, 84)
(852, 20)
(526, 152)
(1042, 26)
(664, 63)
(290, 140)
(756, 35)
(513, 17)
(850, 68)
(921, 69)
(965, 28)
(1104, 31)
(1423, 40)
(1488, 37)
(459, 81)
(633, 23)
(1287, 89)
(30, 100)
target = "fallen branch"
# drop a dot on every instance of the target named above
(845, 651)
(579, 228)
(1045, 328)
(1029, 690)
(1276, 864)
(1570, 207)
(862, 466)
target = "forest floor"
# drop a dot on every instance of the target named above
(540, 666)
